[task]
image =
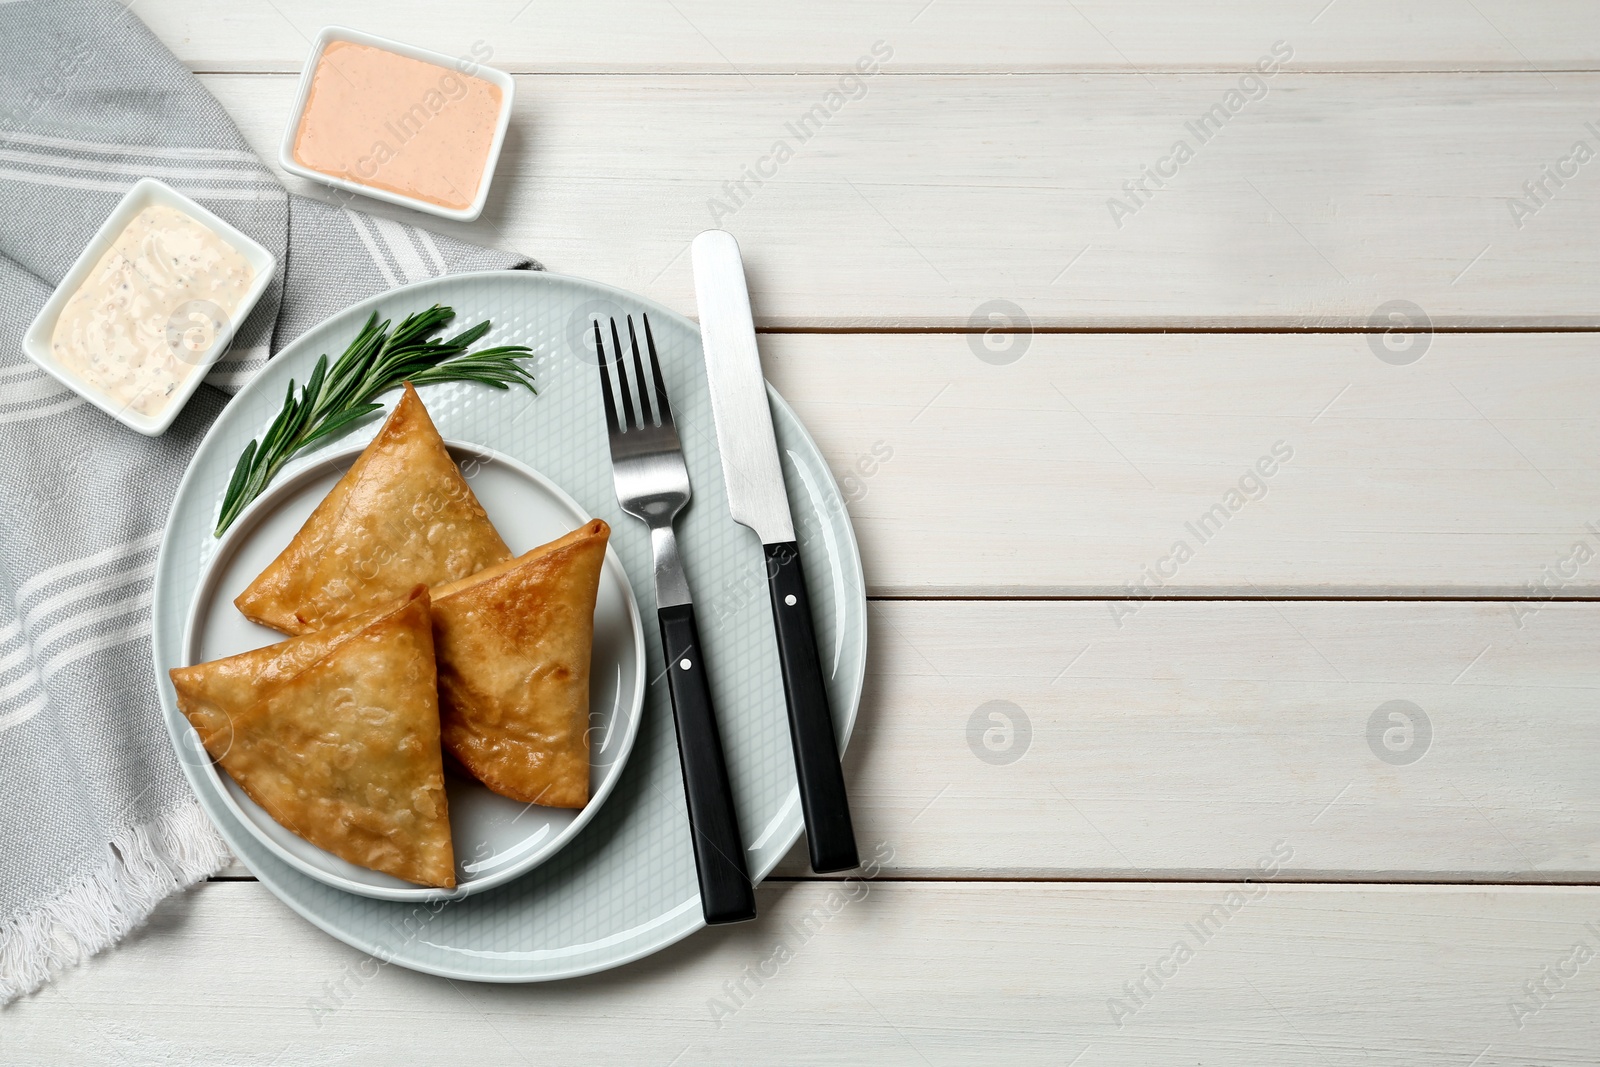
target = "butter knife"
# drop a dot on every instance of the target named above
(757, 499)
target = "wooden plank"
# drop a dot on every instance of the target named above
(1043, 739)
(1077, 469)
(948, 35)
(1197, 740)
(891, 973)
(1320, 203)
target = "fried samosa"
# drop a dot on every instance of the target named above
(336, 736)
(401, 515)
(513, 644)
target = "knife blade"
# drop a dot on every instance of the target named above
(756, 497)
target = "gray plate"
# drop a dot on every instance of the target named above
(625, 886)
(496, 838)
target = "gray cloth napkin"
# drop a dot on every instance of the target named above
(97, 824)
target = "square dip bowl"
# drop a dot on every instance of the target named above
(459, 66)
(147, 192)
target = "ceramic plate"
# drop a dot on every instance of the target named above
(625, 885)
(495, 838)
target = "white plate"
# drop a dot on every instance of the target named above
(496, 839)
(625, 886)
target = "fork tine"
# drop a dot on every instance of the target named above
(655, 367)
(605, 381)
(644, 383)
(622, 379)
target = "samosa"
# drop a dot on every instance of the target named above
(401, 515)
(336, 736)
(513, 644)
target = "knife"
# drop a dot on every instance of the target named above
(757, 499)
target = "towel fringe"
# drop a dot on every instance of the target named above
(148, 862)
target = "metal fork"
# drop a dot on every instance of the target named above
(653, 485)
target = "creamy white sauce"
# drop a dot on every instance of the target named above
(150, 310)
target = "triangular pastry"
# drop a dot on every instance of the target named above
(336, 736)
(513, 644)
(401, 515)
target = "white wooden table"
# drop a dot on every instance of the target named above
(1169, 722)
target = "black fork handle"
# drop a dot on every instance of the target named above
(726, 895)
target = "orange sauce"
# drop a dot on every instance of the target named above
(398, 124)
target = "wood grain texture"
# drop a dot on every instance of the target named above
(723, 36)
(1078, 468)
(1194, 738)
(1317, 204)
(884, 973)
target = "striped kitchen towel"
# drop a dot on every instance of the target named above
(97, 825)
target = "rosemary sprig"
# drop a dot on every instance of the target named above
(376, 361)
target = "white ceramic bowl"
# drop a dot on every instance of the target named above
(146, 192)
(453, 63)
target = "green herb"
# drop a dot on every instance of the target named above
(375, 362)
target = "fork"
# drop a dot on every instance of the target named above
(653, 485)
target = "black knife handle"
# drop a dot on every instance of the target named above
(829, 833)
(726, 895)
